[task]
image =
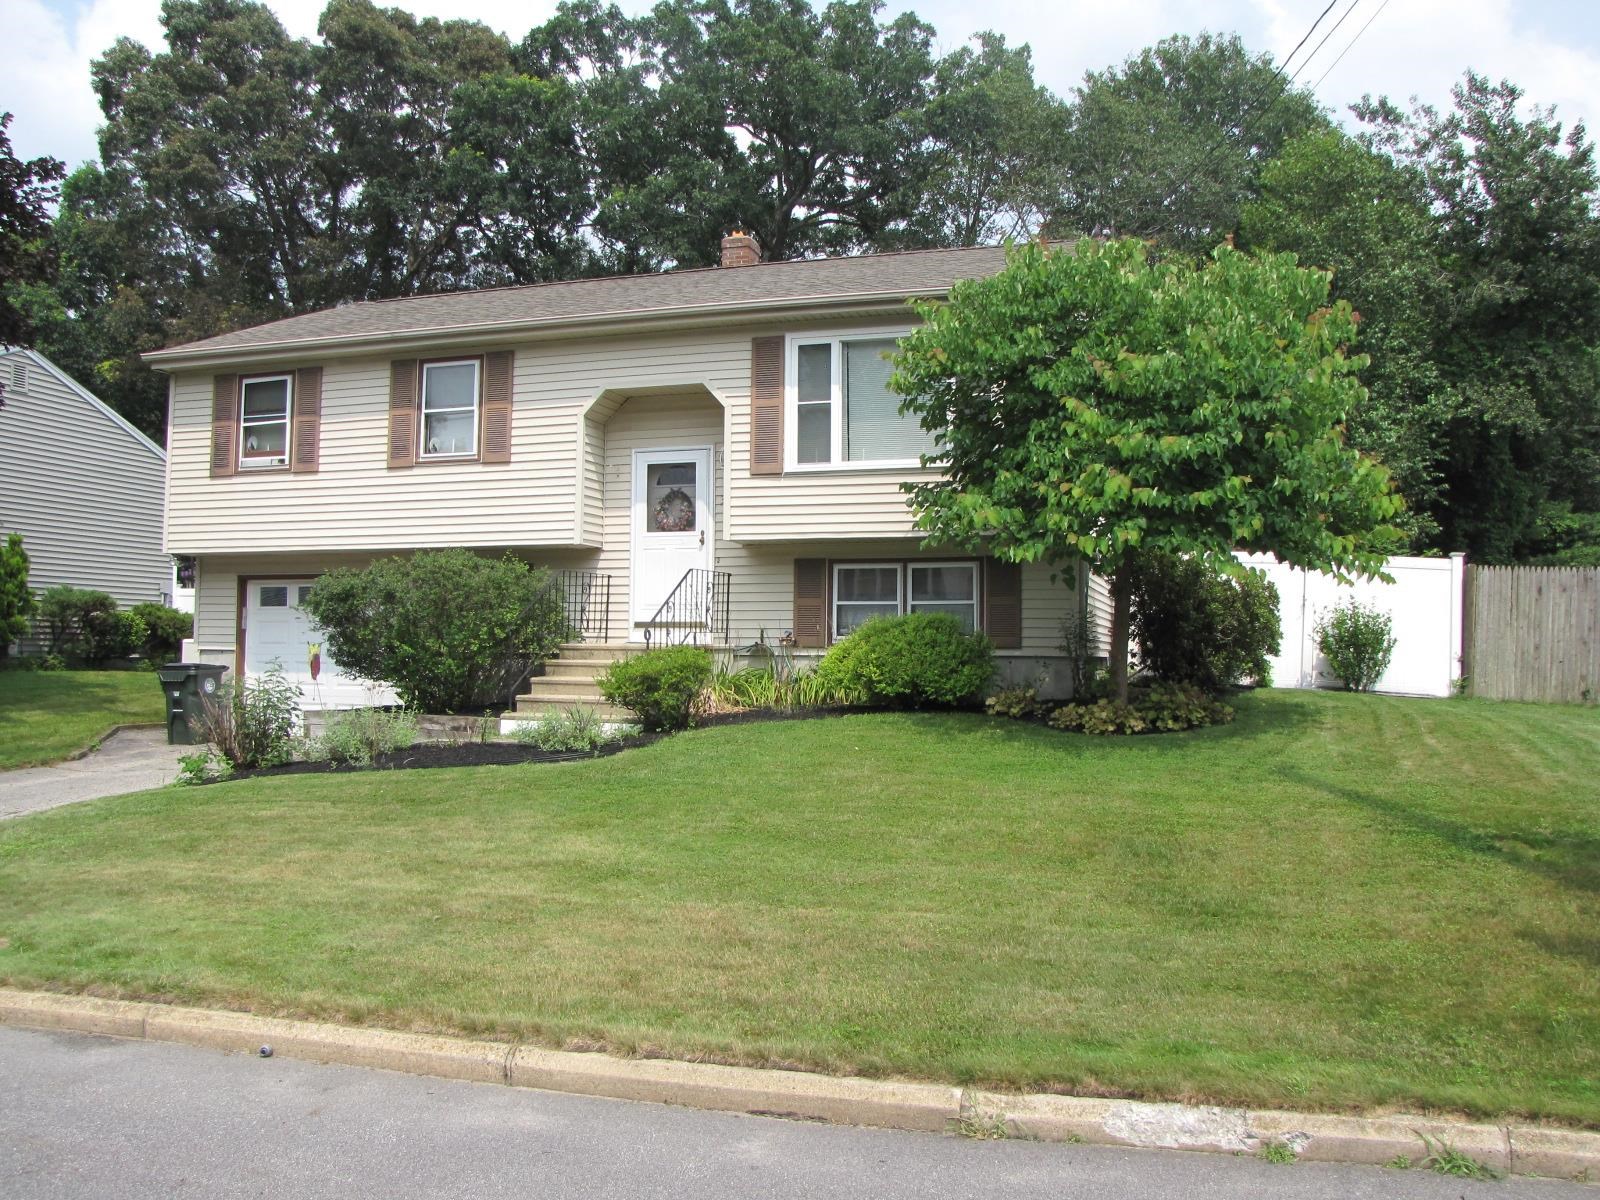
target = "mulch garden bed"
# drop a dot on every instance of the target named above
(499, 753)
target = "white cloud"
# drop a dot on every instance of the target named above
(1413, 47)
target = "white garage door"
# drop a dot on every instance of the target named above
(277, 629)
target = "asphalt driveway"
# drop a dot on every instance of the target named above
(130, 761)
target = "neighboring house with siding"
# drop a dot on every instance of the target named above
(723, 435)
(85, 489)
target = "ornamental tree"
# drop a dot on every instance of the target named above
(1093, 404)
(16, 600)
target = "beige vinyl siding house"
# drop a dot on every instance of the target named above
(619, 427)
(84, 488)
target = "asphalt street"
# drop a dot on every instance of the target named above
(117, 1120)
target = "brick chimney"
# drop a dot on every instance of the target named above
(740, 249)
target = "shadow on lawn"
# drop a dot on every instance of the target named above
(1568, 858)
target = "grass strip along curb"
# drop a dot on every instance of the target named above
(889, 1104)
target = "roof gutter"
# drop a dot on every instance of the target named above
(486, 332)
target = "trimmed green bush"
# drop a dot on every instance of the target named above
(660, 687)
(165, 629)
(914, 661)
(66, 612)
(1358, 642)
(450, 630)
(113, 634)
(1196, 625)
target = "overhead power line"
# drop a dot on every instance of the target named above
(1352, 42)
(1280, 77)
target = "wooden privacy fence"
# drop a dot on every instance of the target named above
(1531, 633)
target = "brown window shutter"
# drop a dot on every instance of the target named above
(810, 602)
(497, 406)
(1002, 603)
(224, 424)
(403, 412)
(766, 406)
(307, 419)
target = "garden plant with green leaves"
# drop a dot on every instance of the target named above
(1093, 404)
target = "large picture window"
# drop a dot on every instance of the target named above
(841, 411)
(450, 393)
(862, 591)
(265, 403)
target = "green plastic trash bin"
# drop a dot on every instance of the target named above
(186, 685)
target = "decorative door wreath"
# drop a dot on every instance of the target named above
(675, 512)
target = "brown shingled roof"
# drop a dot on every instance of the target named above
(620, 297)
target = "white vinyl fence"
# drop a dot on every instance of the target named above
(1424, 602)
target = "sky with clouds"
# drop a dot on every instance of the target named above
(1551, 48)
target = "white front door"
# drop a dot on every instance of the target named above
(278, 630)
(672, 531)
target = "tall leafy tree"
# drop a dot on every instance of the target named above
(403, 217)
(27, 190)
(1518, 344)
(993, 148)
(1169, 144)
(1342, 206)
(1094, 405)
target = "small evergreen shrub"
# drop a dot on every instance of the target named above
(661, 687)
(1195, 625)
(915, 660)
(252, 723)
(165, 629)
(1358, 642)
(356, 736)
(450, 630)
(17, 602)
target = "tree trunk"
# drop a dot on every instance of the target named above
(1119, 637)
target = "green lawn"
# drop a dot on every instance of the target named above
(47, 715)
(1337, 902)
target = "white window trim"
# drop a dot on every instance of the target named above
(833, 594)
(791, 402)
(423, 411)
(263, 462)
(977, 583)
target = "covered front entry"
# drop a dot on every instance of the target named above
(671, 526)
(275, 629)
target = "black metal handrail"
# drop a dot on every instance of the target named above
(587, 596)
(694, 613)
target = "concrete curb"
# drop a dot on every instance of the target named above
(890, 1104)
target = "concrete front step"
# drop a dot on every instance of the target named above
(534, 707)
(585, 689)
(574, 668)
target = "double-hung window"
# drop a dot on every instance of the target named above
(265, 405)
(862, 591)
(841, 412)
(450, 392)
